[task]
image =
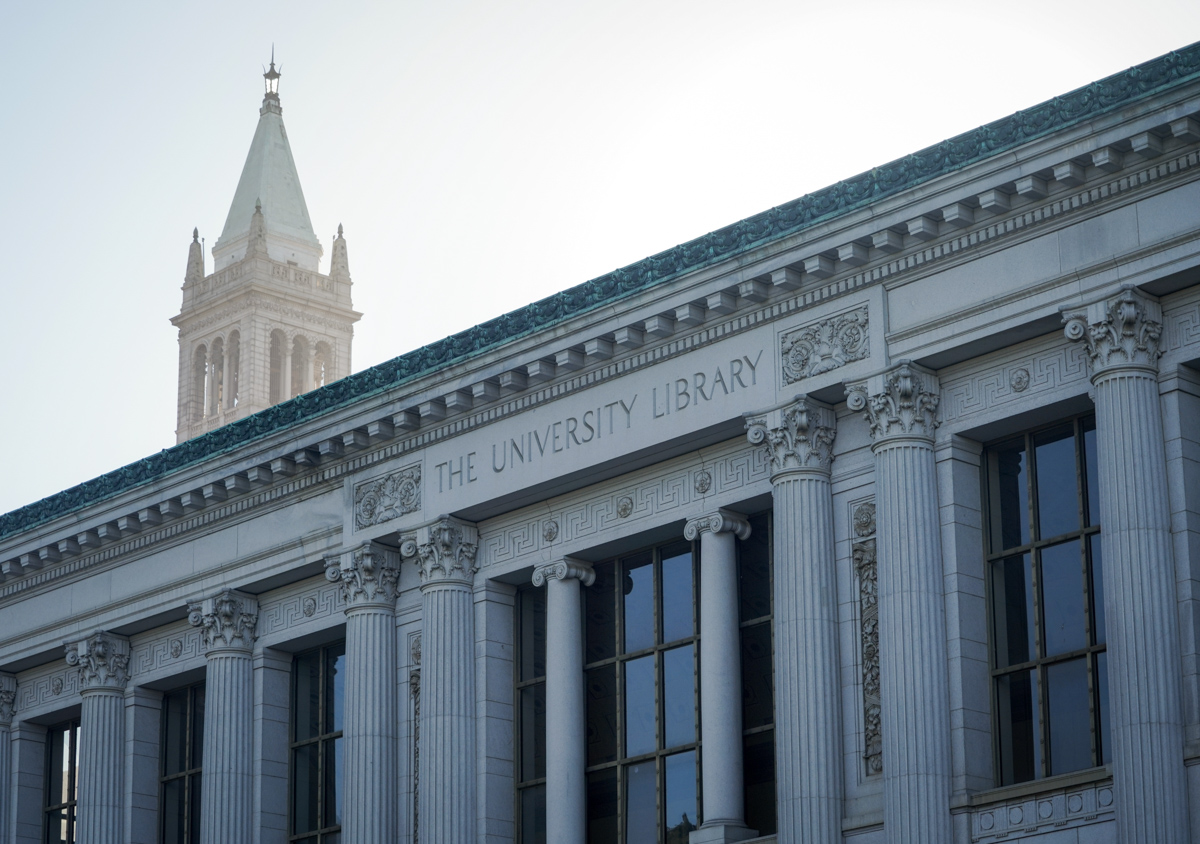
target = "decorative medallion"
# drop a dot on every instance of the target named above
(703, 481)
(864, 519)
(824, 346)
(550, 530)
(56, 686)
(176, 648)
(624, 506)
(1019, 380)
(309, 606)
(386, 498)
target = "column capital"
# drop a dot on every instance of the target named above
(369, 576)
(228, 621)
(103, 661)
(1119, 332)
(798, 434)
(722, 521)
(899, 404)
(444, 551)
(564, 569)
(8, 699)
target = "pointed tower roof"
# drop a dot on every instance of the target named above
(269, 176)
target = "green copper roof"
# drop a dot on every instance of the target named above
(1084, 103)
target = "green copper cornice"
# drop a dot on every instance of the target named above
(1106, 95)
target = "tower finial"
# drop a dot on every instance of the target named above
(271, 79)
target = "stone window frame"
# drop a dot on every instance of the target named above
(321, 740)
(191, 772)
(50, 809)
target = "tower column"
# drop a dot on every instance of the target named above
(1122, 335)
(445, 553)
(226, 403)
(808, 713)
(103, 661)
(566, 715)
(369, 578)
(227, 621)
(8, 706)
(285, 375)
(901, 407)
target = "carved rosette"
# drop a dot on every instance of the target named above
(799, 435)
(562, 570)
(8, 699)
(102, 659)
(227, 621)
(444, 551)
(901, 403)
(722, 521)
(390, 497)
(1122, 332)
(824, 346)
(368, 575)
(867, 571)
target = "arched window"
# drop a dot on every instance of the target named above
(197, 399)
(234, 354)
(278, 342)
(216, 375)
(300, 363)
(322, 373)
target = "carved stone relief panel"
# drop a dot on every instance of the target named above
(388, 497)
(867, 573)
(826, 345)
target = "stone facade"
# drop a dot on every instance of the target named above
(355, 570)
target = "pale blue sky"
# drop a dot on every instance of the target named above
(480, 155)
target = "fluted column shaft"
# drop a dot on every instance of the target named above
(8, 705)
(566, 722)
(370, 728)
(1145, 694)
(901, 407)
(808, 712)
(227, 621)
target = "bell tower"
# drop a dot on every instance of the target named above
(265, 325)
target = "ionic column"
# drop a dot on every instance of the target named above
(1146, 722)
(227, 622)
(566, 715)
(808, 712)
(901, 407)
(8, 705)
(369, 578)
(103, 660)
(445, 553)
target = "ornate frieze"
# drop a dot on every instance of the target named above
(722, 521)
(389, 497)
(444, 551)
(866, 570)
(901, 402)
(826, 345)
(562, 570)
(102, 660)
(8, 699)
(798, 435)
(1064, 808)
(227, 620)
(1121, 332)
(369, 574)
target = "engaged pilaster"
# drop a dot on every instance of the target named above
(1122, 335)
(566, 725)
(103, 661)
(228, 622)
(8, 706)
(900, 406)
(369, 578)
(799, 436)
(445, 553)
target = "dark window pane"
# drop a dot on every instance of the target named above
(174, 795)
(1070, 717)
(758, 763)
(1020, 727)
(679, 696)
(333, 783)
(1012, 610)
(1102, 689)
(640, 708)
(677, 600)
(1063, 599)
(533, 634)
(1009, 496)
(533, 815)
(533, 732)
(194, 785)
(754, 571)
(175, 737)
(680, 799)
(758, 676)
(197, 728)
(335, 687)
(601, 687)
(1098, 625)
(1058, 498)
(602, 806)
(308, 696)
(639, 603)
(600, 612)
(58, 788)
(58, 826)
(641, 804)
(305, 788)
(1092, 467)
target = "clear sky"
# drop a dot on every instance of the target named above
(481, 155)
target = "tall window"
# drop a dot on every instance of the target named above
(182, 747)
(755, 588)
(318, 684)
(62, 766)
(1049, 667)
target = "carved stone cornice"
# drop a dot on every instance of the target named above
(228, 621)
(722, 521)
(369, 576)
(1120, 332)
(8, 699)
(799, 435)
(444, 551)
(900, 403)
(564, 569)
(103, 661)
